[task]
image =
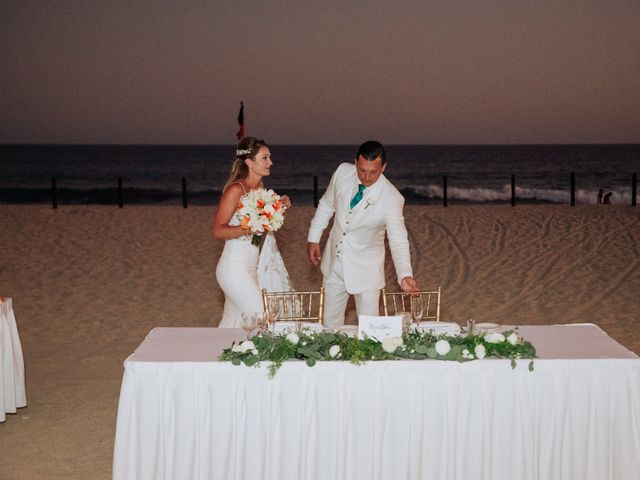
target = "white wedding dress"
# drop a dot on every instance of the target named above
(243, 271)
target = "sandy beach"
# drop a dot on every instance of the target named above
(89, 282)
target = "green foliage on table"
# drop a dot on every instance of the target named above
(327, 346)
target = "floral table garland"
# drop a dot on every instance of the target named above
(326, 346)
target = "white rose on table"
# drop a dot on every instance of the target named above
(494, 337)
(442, 347)
(480, 351)
(246, 346)
(390, 344)
(293, 338)
(334, 351)
(513, 339)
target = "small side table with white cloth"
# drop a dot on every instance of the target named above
(12, 388)
(184, 415)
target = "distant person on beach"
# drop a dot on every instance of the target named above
(364, 204)
(607, 198)
(600, 194)
(237, 270)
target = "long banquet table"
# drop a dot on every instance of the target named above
(12, 386)
(184, 415)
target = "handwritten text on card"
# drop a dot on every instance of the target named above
(379, 327)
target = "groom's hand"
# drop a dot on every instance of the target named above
(313, 252)
(409, 285)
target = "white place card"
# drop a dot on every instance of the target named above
(285, 327)
(379, 327)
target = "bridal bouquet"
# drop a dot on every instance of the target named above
(260, 211)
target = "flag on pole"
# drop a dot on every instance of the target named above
(240, 133)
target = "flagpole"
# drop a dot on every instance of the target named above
(240, 133)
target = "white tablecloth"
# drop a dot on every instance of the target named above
(12, 390)
(183, 415)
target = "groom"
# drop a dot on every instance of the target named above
(365, 204)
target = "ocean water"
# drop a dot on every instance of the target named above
(151, 174)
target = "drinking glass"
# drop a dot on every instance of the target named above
(273, 310)
(471, 326)
(262, 321)
(416, 308)
(249, 321)
(407, 317)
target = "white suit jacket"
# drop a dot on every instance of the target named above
(358, 234)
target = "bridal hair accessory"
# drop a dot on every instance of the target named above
(239, 153)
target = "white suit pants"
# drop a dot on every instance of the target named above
(336, 298)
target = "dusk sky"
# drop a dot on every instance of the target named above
(320, 72)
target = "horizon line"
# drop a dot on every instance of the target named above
(21, 144)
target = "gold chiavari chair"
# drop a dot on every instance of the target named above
(397, 303)
(295, 306)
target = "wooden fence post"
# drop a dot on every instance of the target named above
(315, 191)
(120, 197)
(573, 189)
(54, 193)
(184, 192)
(444, 191)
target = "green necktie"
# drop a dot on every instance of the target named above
(357, 197)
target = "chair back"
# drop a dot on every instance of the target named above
(396, 303)
(295, 306)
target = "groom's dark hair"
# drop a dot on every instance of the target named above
(371, 150)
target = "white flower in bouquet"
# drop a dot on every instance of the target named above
(513, 338)
(442, 347)
(390, 344)
(334, 351)
(293, 338)
(480, 351)
(494, 337)
(246, 346)
(236, 348)
(468, 355)
(260, 211)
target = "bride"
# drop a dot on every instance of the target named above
(242, 271)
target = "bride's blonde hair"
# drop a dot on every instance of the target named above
(247, 149)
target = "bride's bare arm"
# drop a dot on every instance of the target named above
(226, 208)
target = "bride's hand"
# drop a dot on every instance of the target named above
(286, 201)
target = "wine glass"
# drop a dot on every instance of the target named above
(262, 321)
(273, 309)
(416, 308)
(471, 326)
(406, 321)
(249, 321)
